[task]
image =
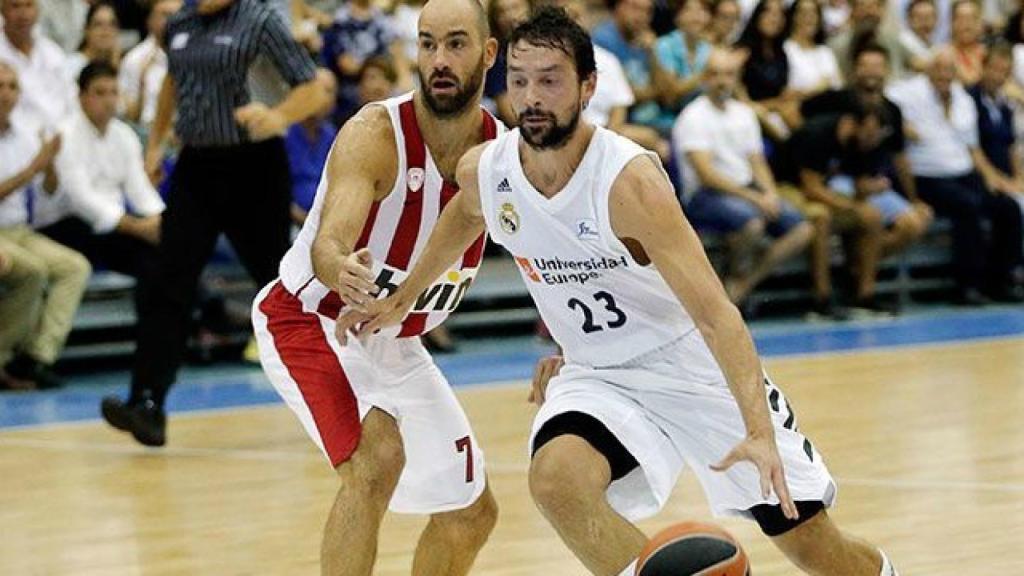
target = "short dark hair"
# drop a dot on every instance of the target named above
(382, 63)
(861, 110)
(551, 27)
(94, 71)
(999, 48)
(869, 46)
(819, 35)
(913, 3)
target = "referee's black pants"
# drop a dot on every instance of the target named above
(242, 191)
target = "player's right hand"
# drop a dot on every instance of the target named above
(545, 370)
(355, 281)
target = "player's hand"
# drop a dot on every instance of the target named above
(261, 122)
(545, 370)
(762, 452)
(355, 281)
(347, 322)
(384, 313)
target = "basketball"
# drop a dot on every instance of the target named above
(693, 549)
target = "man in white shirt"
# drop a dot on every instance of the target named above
(730, 187)
(956, 179)
(33, 329)
(47, 92)
(106, 207)
(916, 36)
(143, 68)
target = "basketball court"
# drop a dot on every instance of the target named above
(919, 419)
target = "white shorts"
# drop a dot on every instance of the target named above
(331, 388)
(672, 408)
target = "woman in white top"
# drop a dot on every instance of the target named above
(812, 65)
(101, 41)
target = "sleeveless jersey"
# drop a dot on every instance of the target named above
(600, 305)
(396, 231)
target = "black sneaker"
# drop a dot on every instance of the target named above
(875, 306)
(26, 368)
(146, 422)
(827, 310)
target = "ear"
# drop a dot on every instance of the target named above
(587, 88)
(490, 52)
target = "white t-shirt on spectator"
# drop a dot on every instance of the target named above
(100, 175)
(48, 96)
(17, 149)
(732, 135)
(943, 145)
(809, 68)
(612, 91)
(130, 73)
(914, 45)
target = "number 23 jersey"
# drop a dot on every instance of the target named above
(601, 306)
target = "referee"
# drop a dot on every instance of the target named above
(231, 177)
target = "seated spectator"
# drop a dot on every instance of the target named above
(144, 67)
(629, 37)
(766, 69)
(967, 41)
(106, 207)
(47, 94)
(683, 55)
(841, 164)
(309, 142)
(996, 133)
(812, 65)
(360, 30)
(916, 36)
(725, 25)
(835, 14)
(867, 88)
(865, 27)
(32, 334)
(955, 178)
(101, 41)
(503, 16)
(733, 191)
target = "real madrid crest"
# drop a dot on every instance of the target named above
(508, 218)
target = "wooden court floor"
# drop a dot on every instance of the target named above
(927, 445)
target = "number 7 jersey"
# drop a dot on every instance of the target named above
(601, 306)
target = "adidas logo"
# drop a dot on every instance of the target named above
(504, 187)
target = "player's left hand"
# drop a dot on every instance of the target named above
(546, 369)
(761, 451)
(384, 313)
(261, 122)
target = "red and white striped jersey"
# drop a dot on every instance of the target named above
(396, 231)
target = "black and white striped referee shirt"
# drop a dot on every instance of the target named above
(209, 59)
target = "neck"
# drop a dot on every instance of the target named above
(22, 42)
(718, 102)
(448, 138)
(100, 127)
(804, 41)
(549, 170)
(690, 39)
(989, 89)
(5, 123)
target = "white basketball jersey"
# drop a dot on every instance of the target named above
(396, 231)
(601, 306)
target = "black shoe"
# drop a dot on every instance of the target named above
(146, 422)
(875, 306)
(26, 368)
(971, 297)
(828, 310)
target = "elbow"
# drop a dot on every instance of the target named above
(719, 323)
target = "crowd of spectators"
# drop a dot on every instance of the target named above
(785, 123)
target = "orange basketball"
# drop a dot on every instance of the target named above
(693, 549)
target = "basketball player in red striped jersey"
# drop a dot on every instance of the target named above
(378, 407)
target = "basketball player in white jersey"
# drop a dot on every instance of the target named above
(379, 408)
(660, 371)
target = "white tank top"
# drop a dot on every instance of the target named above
(396, 231)
(601, 306)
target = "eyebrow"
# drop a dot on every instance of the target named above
(451, 34)
(552, 68)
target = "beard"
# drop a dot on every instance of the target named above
(447, 106)
(554, 135)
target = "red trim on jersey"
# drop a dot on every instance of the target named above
(371, 219)
(301, 344)
(414, 324)
(408, 229)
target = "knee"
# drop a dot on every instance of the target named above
(376, 468)
(559, 483)
(30, 273)
(870, 219)
(473, 524)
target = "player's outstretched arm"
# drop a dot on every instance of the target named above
(459, 225)
(361, 168)
(643, 208)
